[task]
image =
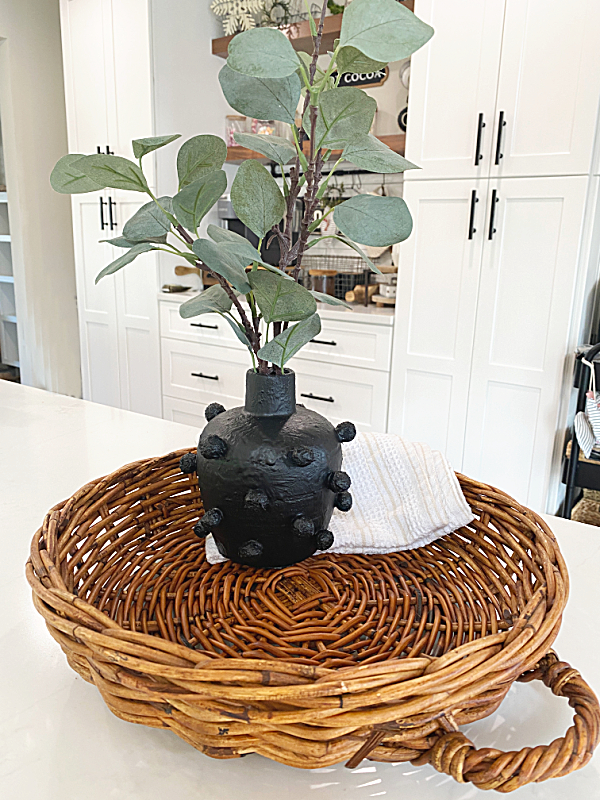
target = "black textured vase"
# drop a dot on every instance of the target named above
(270, 475)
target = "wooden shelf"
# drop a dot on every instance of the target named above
(299, 35)
(236, 154)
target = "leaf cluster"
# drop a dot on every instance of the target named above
(265, 78)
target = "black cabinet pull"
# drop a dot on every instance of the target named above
(480, 127)
(474, 199)
(501, 124)
(202, 375)
(495, 200)
(103, 224)
(202, 325)
(113, 221)
(98, 150)
(316, 397)
(322, 341)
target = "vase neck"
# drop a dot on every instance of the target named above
(270, 395)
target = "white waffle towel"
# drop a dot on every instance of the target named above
(405, 495)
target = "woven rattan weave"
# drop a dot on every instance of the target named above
(335, 658)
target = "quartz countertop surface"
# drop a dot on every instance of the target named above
(57, 738)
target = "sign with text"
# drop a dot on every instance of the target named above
(375, 78)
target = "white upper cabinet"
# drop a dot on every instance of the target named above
(529, 70)
(526, 292)
(548, 88)
(453, 89)
(435, 313)
(84, 28)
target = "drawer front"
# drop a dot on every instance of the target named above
(207, 328)
(203, 374)
(185, 412)
(353, 344)
(344, 393)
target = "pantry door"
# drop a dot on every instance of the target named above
(548, 89)
(521, 339)
(453, 82)
(438, 278)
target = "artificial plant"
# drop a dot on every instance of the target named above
(265, 78)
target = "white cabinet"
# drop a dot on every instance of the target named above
(108, 77)
(528, 70)
(343, 373)
(108, 88)
(436, 307)
(118, 317)
(482, 326)
(521, 337)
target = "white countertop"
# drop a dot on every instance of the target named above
(57, 738)
(358, 313)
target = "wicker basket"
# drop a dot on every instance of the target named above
(336, 658)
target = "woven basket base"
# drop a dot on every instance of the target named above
(336, 658)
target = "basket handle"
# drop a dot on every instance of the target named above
(488, 768)
(455, 755)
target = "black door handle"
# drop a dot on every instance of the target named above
(98, 149)
(202, 375)
(202, 325)
(317, 397)
(495, 200)
(501, 124)
(113, 221)
(474, 199)
(480, 127)
(109, 152)
(322, 341)
(103, 224)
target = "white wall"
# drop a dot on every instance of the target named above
(35, 137)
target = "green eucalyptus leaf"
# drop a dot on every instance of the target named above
(320, 297)
(149, 223)
(276, 148)
(367, 152)
(239, 331)
(372, 220)
(198, 156)
(262, 53)
(280, 349)
(256, 197)
(142, 147)
(212, 299)
(261, 98)
(194, 202)
(113, 172)
(349, 59)
(224, 261)
(351, 244)
(383, 30)
(345, 115)
(119, 241)
(66, 178)
(280, 300)
(126, 258)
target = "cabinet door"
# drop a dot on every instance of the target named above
(131, 78)
(548, 88)
(435, 314)
(137, 320)
(96, 303)
(521, 341)
(453, 81)
(85, 25)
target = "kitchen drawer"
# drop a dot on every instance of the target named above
(223, 368)
(207, 328)
(184, 411)
(354, 344)
(358, 395)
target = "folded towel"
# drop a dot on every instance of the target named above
(405, 495)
